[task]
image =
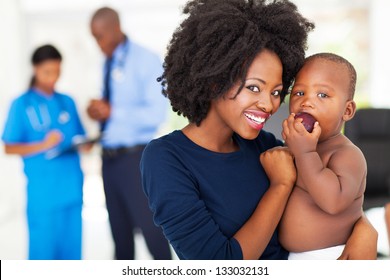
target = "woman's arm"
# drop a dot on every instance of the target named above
(362, 244)
(52, 139)
(387, 220)
(256, 233)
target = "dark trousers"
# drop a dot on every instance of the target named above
(128, 207)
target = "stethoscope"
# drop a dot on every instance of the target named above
(39, 116)
(118, 73)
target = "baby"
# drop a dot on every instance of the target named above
(328, 196)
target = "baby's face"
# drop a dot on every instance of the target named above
(321, 89)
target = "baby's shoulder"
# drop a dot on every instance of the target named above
(348, 154)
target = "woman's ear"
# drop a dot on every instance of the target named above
(350, 110)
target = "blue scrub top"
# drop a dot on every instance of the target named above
(53, 180)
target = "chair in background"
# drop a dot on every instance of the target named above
(370, 131)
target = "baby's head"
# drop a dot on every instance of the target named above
(324, 87)
(338, 62)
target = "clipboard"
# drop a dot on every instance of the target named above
(77, 142)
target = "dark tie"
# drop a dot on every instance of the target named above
(106, 89)
(107, 80)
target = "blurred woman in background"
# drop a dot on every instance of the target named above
(40, 127)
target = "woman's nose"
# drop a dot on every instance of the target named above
(265, 104)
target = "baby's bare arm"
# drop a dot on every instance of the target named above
(332, 171)
(335, 184)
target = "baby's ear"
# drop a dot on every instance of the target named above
(350, 110)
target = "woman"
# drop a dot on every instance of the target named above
(40, 127)
(227, 70)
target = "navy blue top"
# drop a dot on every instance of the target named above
(202, 198)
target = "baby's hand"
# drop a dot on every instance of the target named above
(308, 120)
(297, 138)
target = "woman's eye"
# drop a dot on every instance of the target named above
(276, 93)
(253, 88)
(322, 95)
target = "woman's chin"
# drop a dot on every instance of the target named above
(250, 135)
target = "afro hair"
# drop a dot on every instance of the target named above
(214, 46)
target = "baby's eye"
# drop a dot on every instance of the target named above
(253, 88)
(299, 93)
(322, 95)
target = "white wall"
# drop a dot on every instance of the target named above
(380, 53)
(12, 195)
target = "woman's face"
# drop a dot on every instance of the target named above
(46, 74)
(247, 112)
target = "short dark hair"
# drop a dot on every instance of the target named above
(45, 52)
(341, 61)
(42, 54)
(107, 14)
(214, 46)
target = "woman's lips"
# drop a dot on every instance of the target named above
(256, 119)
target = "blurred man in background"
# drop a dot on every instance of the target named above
(130, 112)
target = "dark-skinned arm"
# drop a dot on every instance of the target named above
(52, 139)
(256, 233)
(362, 244)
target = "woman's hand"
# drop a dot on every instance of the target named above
(86, 148)
(362, 244)
(278, 163)
(52, 139)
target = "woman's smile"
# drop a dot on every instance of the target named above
(256, 119)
